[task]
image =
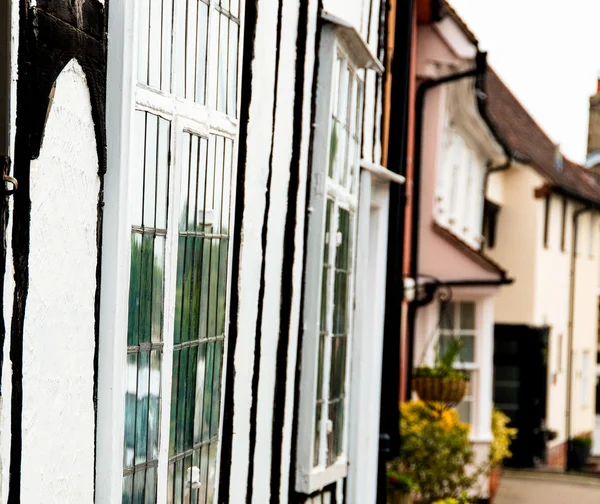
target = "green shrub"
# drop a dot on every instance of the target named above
(435, 452)
(502, 437)
(584, 441)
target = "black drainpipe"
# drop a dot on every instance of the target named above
(389, 438)
(572, 285)
(478, 70)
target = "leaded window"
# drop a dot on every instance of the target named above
(181, 174)
(331, 261)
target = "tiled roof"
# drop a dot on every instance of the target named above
(531, 145)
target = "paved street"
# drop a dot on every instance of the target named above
(547, 489)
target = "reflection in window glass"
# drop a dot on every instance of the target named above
(173, 49)
(145, 314)
(338, 261)
(199, 331)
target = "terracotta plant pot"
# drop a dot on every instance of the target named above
(495, 474)
(436, 389)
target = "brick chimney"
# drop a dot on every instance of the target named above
(594, 126)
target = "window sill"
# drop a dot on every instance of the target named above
(319, 478)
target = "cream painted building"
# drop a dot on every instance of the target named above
(543, 225)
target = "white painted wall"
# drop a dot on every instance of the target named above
(540, 294)
(58, 412)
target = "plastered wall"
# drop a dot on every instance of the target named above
(58, 412)
(540, 294)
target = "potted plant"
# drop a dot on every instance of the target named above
(502, 436)
(578, 452)
(442, 383)
(400, 487)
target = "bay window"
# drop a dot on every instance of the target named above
(178, 182)
(331, 258)
(459, 188)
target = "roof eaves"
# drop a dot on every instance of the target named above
(446, 9)
(482, 259)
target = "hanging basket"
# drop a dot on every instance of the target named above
(438, 389)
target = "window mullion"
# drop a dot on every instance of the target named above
(169, 307)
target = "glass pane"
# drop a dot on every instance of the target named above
(141, 417)
(171, 484)
(213, 283)
(202, 219)
(343, 92)
(181, 396)
(464, 412)
(216, 390)
(321, 366)
(467, 316)
(147, 271)
(467, 353)
(447, 316)
(208, 387)
(178, 483)
(130, 410)
(201, 55)
(204, 472)
(136, 193)
(127, 489)
(337, 378)
(166, 46)
(335, 86)
(324, 298)
(199, 397)
(150, 497)
(342, 260)
(232, 71)
(235, 8)
(340, 315)
(212, 470)
(327, 231)
(150, 170)
(222, 289)
(223, 57)
(333, 146)
(335, 436)
(191, 14)
(157, 288)
(154, 406)
(318, 410)
(143, 40)
(174, 402)
(155, 42)
(188, 441)
(139, 484)
(228, 165)
(135, 276)
(162, 173)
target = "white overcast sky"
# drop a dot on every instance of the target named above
(548, 54)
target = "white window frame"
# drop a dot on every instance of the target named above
(127, 96)
(336, 37)
(458, 155)
(473, 368)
